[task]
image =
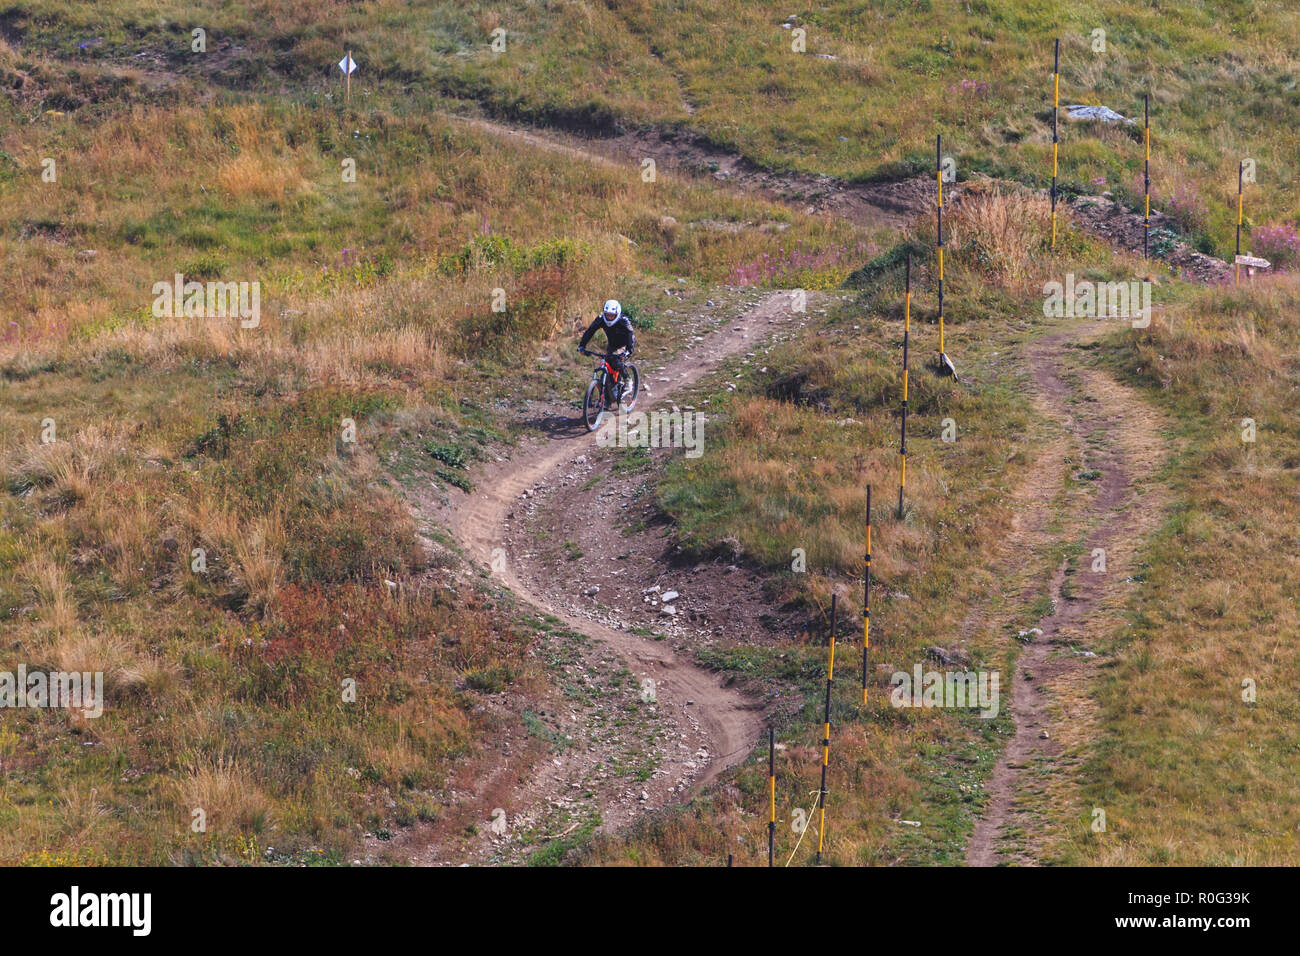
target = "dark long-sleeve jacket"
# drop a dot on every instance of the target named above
(619, 335)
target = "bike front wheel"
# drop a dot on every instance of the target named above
(632, 379)
(593, 406)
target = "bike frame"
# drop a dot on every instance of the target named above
(602, 370)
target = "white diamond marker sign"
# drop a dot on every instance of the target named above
(348, 65)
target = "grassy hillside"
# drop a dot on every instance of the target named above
(1199, 720)
(175, 435)
(377, 309)
(1187, 769)
(800, 441)
(1222, 77)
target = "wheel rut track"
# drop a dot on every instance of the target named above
(1104, 427)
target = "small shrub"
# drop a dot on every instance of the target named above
(1183, 204)
(999, 231)
(452, 455)
(1278, 244)
(1163, 242)
(490, 680)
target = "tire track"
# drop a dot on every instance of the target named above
(1109, 436)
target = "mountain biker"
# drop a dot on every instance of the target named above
(619, 335)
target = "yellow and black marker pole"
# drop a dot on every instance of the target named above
(1146, 177)
(826, 737)
(902, 447)
(1056, 109)
(1236, 263)
(945, 364)
(771, 797)
(866, 603)
(938, 166)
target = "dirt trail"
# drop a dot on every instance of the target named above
(714, 726)
(1085, 489)
(887, 204)
(1108, 441)
(874, 205)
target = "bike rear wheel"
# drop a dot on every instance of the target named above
(593, 406)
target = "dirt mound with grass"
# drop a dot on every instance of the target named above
(1123, 228)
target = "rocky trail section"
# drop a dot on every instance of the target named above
(685, 726)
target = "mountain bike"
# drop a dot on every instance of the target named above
(607, 389)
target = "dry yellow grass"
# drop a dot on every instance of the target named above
(50, 585)
(89, 651)
(1001, 232)
(226, 793)
(67, 465)
(261, 177)
(83, 815)
(259, 563)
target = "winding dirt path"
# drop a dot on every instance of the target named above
(1087, 489)
(1087, 486)
(714, 726)
(873, 205)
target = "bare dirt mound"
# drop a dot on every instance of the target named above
(1123, 228)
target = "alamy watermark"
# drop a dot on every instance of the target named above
(1098, 300)
(179, 299)
(965, 689)
(70, 690)
(657, 429)
(133, 911)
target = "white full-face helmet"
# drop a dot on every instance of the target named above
(612, 312)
